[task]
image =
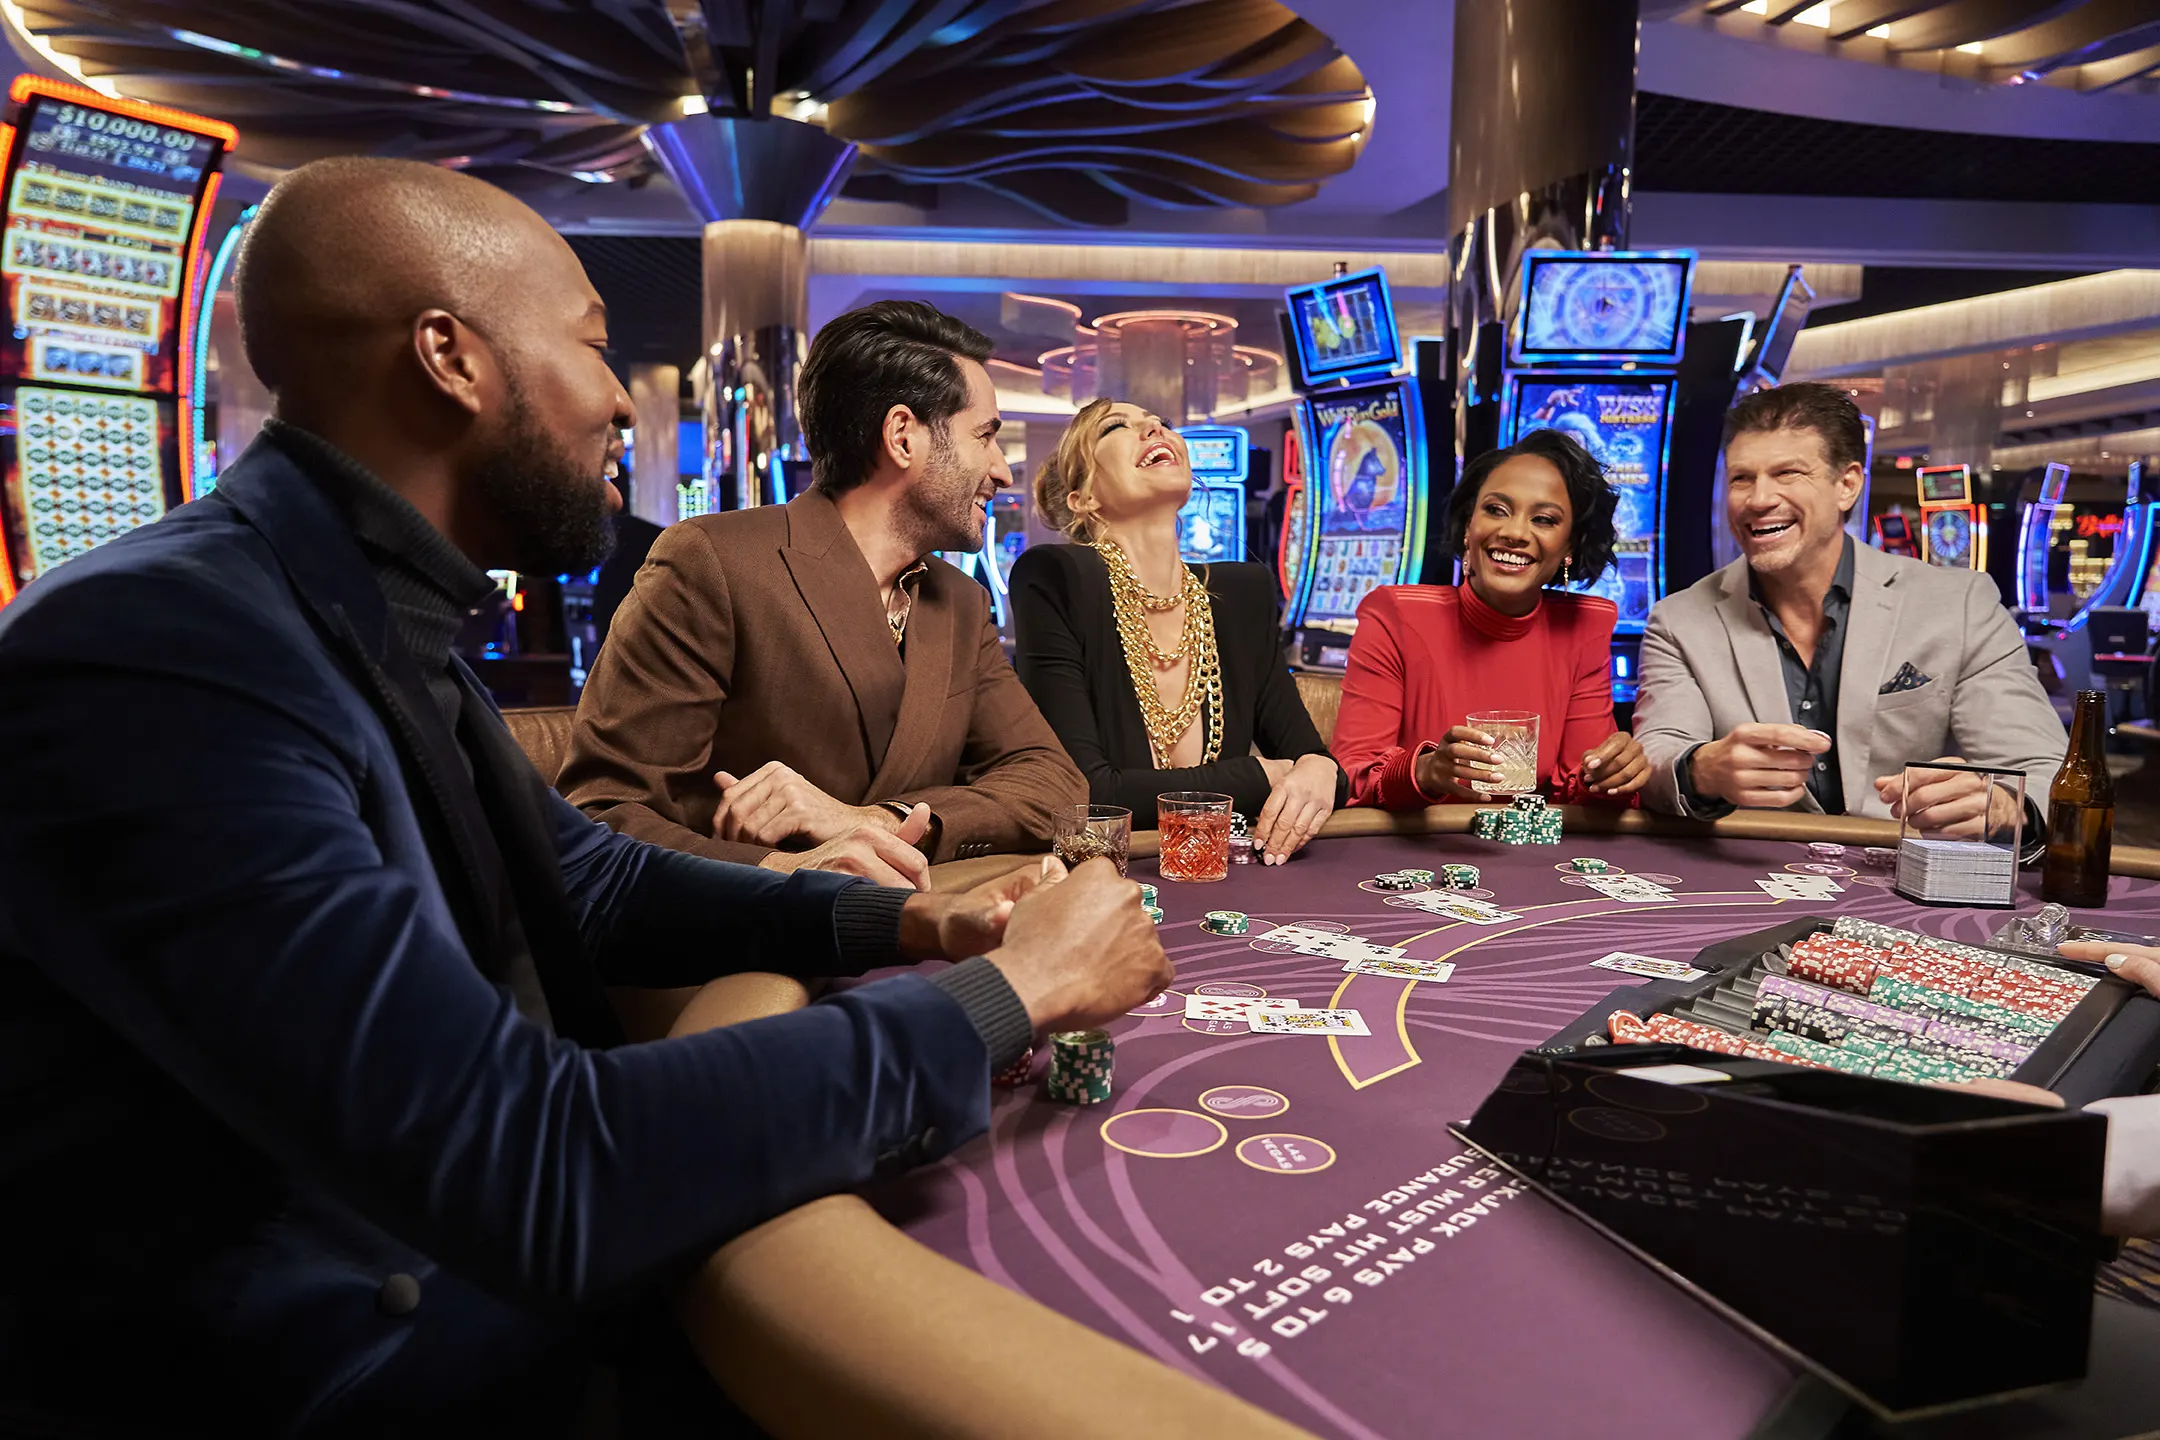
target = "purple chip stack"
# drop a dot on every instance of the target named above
(1965, 1037)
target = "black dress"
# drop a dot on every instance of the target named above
(1071, 660)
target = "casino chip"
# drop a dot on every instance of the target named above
(1147, 893)
(1394, 881)
(1825, 850)
(1015, 1075)
(1588, 865)
(1154, 913)
(1080, 1066)
(1226, 922)
(1882, 857)
(1242, 851)
(1460, 877)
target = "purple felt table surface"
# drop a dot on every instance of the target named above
(1287, 1216)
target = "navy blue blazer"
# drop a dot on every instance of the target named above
(251, 1069)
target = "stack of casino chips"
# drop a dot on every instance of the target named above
(1527, 822)
(1080, 1065)
(1147, 894)
(1226, 922)
(1398, 880)
(1485, 823)
(1017, 1074)
(1588, 865)
(1459, 877)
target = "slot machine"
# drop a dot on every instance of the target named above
(1211, 526)
(2036, 528)
(106, 201)
(1292, 544)
(1361, 507)
(1593, 349)
(1893, 535)
(2123, 584)
(1953, 530)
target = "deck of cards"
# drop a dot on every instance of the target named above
(1956, 872)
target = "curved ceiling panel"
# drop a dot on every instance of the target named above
(2080, 44)
(1075, 107)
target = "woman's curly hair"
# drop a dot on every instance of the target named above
(1590, 499)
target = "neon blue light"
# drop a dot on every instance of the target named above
(2119, 586)
(206, 481)
(1619, 666)
(1361, 296)
(1641, 311)
(1218, 452)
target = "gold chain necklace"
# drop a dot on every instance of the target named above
(1144, 658)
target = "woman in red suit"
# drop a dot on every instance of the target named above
(1425, 656)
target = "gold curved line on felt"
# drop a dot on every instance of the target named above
(1402, 1002)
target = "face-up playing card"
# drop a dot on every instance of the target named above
(1433, 970)
(1648, 966)
(1628, 889)
(1309, 1022)
(1233, 1007)
(1799, 887)
(1460, 907)
(1330, 944)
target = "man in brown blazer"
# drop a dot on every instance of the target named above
(808, 684)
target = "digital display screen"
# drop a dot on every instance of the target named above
(1296, 537)
(1789, 317)
(1623, 422)
(1950, 538)
(1217, 452)
(2054, 481)
(1363, 496)
(1211, 526)
(100, 210)
(1615, 306)
(1945, 484)
(1345, 326)
(85, 469)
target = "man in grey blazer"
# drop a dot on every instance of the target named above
(1809, 672)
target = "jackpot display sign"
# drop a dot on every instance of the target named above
(1625, 422)
(105, 202)
(1365, 496)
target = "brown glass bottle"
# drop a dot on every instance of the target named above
(2081, 812)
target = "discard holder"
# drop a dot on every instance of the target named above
(1960, 862)
(1921, 1248)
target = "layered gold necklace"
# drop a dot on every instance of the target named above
(1144, 659)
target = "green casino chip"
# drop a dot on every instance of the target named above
(1147, 893)
(1226, 922)
(1154, 913)
(1588, 865)
(1080, 1067)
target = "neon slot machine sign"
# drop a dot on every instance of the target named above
(106, 201)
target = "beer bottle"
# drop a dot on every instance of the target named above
(2081, 812)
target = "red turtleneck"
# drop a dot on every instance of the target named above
(1425, 656)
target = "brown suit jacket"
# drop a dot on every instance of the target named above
(758, 635)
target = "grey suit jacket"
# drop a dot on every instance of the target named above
(1710, 662)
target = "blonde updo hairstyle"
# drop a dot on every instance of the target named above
(1068, 472)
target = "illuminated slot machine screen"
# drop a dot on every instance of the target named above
(1953, 531)
(1345, 327)
(1602, 307)
(1365, 496)
(1625, 421)
(105, 206)
(2036, 537)
(1294, 546)
(1211, 526)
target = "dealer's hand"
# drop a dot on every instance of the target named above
(1617, 767)
(1464, 755)
(957, 924)
(2139, 964)
(773, 805)
(1949, 802)
(1082, 952)
(1296, 808)
(878, 854)
(1758, 767)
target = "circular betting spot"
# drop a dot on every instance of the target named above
(1167, 1003)
(1244, 1102)
(1659, 878)
(1610, 872)
(1581, 881)
(1163, 1134)
(1818, 868)
(1286, 1154)
(1235, 989)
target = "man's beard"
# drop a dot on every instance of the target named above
(555, 512)
(939, 513)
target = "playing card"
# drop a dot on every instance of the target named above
(1799, 887)
(1628, 889)
(1463, 908)
(1328, 944)
(1233, 1007)
(1309, 1022)
(1648, 966)
(1400, 969)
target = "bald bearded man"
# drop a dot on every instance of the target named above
(318, 1119)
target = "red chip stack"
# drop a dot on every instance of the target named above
(1979, 980)
(1848, 965)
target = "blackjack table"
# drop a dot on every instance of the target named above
(1278, 1234)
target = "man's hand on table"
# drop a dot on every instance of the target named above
(965, 923)
(1617, 767)
(1949, 802)
(1758, 767)
(1082, 952)
(2139, 964)
(773, 805)
(879, 854)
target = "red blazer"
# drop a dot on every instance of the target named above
(1425, 656)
